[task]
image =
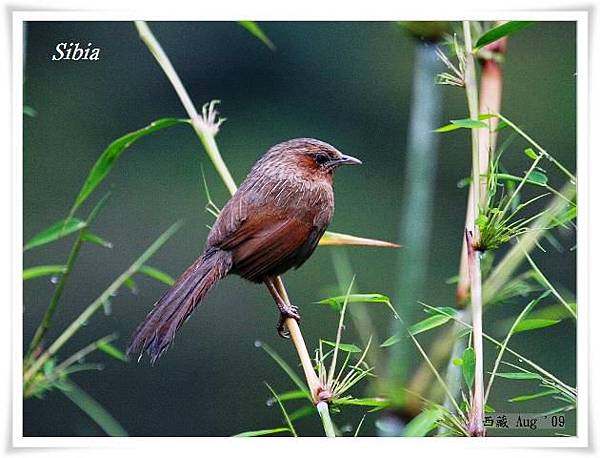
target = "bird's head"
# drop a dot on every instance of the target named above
(309, 157)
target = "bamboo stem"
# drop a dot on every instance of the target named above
(323, 410)
(490, 102)
(415, 220)
(475, 424)
(51, 310)
(206, 127)
(45, 323)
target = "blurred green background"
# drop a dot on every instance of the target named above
(347, 83)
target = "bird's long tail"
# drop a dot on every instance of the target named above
(157, 331)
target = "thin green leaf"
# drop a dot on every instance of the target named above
(423, 423)
(468, 366)
(131, 285)
(49, 367)
(41, 271)
(360, 425)
(255, 30)
(518, 375)
(29, 111)
(563, 218)
(157, 275)
(336, 302)
(448, 311)
(105, 162)
(428, 324)
(368, 402)
(540, 394)
(263, 432)
(529, 152)
(501, 31)
(534, 323)
(288, 396)
(538, 177)
(93, 238)
(284, 366)
(462, 124)
(92, 408)
(283, 411)
(348, 347)
(302, 412)
(391, 340)
(58, 230)
(111, 350)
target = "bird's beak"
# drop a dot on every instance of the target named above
(347, 160)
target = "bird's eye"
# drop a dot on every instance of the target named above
(321, 158)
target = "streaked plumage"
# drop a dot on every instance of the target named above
(272, 223)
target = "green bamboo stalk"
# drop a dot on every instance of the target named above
(51, 310)
(475, 425)
(204, 128)
(415, 219)
(328, 427)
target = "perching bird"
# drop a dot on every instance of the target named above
(272, 223)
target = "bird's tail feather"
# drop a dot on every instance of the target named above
(157, 331)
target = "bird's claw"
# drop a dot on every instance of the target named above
(286, 311)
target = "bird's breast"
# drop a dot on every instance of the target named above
(309, 200)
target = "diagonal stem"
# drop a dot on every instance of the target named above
(206, 131)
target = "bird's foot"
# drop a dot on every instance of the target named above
(286, 311)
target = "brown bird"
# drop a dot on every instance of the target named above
(272, 223)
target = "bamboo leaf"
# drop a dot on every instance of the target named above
(468, 366)
(462, 124)
(92, 408)
(428, 324)
(564, 217)
(501, 31)
(41, 271)
(423, 423)
(93, 238)
(367, 402)
(530, 153)
(263, 432)
(57, 231)
(105, 162)
(391, 340)
(111, 350)
(449, 311)
(519, 375)
(255, 30)
(283, 411)
(302, 412)
(336, 302)
(29, 111)
(284, 366)
(534, 323)
(538, 177)
(348, 347)
(157, 275)
(337, 239)
(131, 285)
(540, 394)
(288, 396)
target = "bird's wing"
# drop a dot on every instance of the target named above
(268, 247)
(261, 238)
